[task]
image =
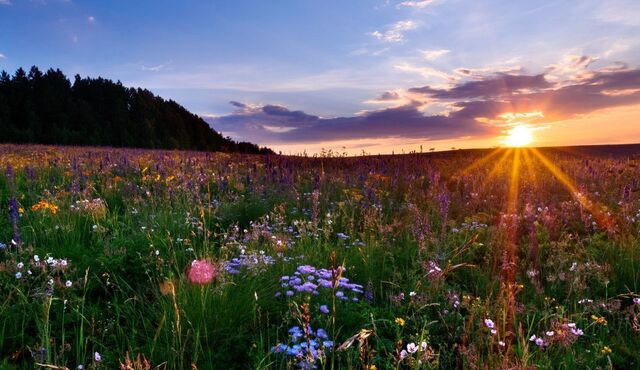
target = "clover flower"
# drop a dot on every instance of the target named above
(201, 272)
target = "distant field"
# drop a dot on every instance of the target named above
(475, 259)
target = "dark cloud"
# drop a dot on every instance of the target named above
(495, 86)
(280, 125)
(487, 98)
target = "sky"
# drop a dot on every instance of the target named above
(354, 76)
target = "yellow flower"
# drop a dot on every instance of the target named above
(400, 321)
(606, 350)
(599, 320)
(372, 367)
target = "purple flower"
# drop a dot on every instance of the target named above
(324, 309)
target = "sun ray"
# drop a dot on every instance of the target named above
(603, 219)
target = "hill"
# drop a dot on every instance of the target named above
(46, 108)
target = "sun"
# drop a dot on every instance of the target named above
(519, 136)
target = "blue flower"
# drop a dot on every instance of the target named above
(324, 309)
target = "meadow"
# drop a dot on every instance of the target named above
(489, 259)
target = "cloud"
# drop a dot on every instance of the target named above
(434, 54)
(624, 12)
(395, 33)
(5, 2)
(478, 108)
(156, 68)
(277, 124)
(2, 56)
(91, 19)
(419, 4)
(501, 94)
(497, 86)
(426, 72)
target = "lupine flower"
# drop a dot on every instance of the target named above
(201, 272)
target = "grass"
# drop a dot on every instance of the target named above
(425, 240)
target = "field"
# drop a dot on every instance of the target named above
(487, 259)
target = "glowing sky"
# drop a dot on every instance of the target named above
(373, 76)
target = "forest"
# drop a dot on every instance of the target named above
(47, 108)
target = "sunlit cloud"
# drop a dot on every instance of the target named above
(475, 109)
(420, 4)
(434, 54)
(426, 72)
(396, 32)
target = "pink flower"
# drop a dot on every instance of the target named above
(201, 272)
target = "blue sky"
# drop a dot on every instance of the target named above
(334, 61)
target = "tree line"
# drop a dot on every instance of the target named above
(46, 108)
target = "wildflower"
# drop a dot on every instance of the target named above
(489, 323)
(412, 294)
(533, 338)
(412, 348)
(550, 333)
(540, 342)
(606, 350)
(97, 357)
(636, 301)
(403, 354)
(502, 343)
(20, 265)
(68, 283)
(324, 309)
(494, 332)
(18, 275)
(400, 321)
(36, 258)
(423, 345)
(599, 320)
(201, 272)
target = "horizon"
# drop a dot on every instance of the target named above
(402, 74)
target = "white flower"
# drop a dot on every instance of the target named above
(68, 283)
(550, 333)
(494, 332)
(533, 338)
(577, 332)
(36, 258)
(97, 357)
(20, 265)
(412, 348)
(18, 275)
(502, 344)
(412, 294)
(423, 345)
